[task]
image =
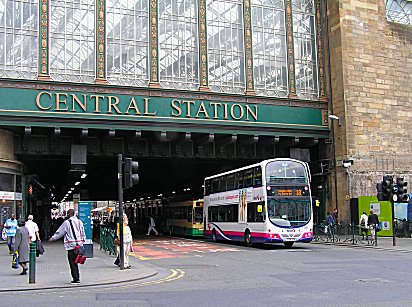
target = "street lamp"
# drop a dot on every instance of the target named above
(334, 118)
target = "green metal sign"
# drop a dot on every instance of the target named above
(135, 110)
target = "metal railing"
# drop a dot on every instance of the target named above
(107, 234)
(342, 233)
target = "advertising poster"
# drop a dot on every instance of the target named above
(381, 208)
(84, 211)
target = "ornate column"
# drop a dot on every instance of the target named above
(250, 86)
(43, 63)
(319, 32)
(291, 55)
(101, 42)
(153, 46)
(204, 81)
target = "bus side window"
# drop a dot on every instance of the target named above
(230, 184)
(257, 177)
(222, 183)
(239, 180)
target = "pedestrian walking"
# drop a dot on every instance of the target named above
(152, 226)
(46, 228)
(33, 229)
(73, 231)
(363, 222)
(373, 222)
(330, 223)
(22, 245)
(11, 227)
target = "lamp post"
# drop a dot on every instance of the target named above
(335, 118)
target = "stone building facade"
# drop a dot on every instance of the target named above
(371, 64)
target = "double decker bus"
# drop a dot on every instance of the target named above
(267, 202)
(184, 218)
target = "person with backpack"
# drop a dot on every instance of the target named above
(363, 222)
(373, 222)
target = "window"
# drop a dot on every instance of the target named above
(239, 180)
(269, 48)
(255, 212)
(285, 172)
(304, 38)
(222, 183)
(178, 44)
(230, 185)
(18, 39)
(248, 178)
(225, 45)
(399, 11)
(215, 185)
(225, 213)
(127, 42)
(257, 177)
(72, 40)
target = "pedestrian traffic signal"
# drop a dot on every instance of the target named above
(130, 175)
(387, 184)
(402, 193)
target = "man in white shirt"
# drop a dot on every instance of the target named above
(33, 229)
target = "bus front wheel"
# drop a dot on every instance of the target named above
(248, 238)
(288, 244)
(214, 237)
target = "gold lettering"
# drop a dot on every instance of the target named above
(133, 105)
(146, 107)
(176, 107)
(202, 109)
(215, 105)
(38, 104)
(188, 102)
(96, 97)
(249, 111)
(232, 111)
(61, 101)
(225, 111)
(111, 104)
(81, 105)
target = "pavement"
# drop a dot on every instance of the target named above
(52, 270)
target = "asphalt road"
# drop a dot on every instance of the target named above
(198, 273)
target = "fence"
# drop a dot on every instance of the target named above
(342, 233)
(107, 234)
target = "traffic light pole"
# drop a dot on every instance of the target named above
(120, 191)
(393, 222)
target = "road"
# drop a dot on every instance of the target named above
(202, 273)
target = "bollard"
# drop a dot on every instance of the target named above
(32, 264)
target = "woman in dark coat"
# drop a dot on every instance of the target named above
(21, 245)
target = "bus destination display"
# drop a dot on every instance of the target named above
(283, 191)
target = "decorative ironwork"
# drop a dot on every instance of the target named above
(204, 83)
(248, 46)
(291, 57)
(154, 75)
(319, 24)
(101, 42)
(399, 11)
(44, 41)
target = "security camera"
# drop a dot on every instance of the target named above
(346, 164)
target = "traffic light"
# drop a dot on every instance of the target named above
(130, 175)
(379, 191)
(387, 184)
(402, 193)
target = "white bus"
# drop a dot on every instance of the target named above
(267, 202)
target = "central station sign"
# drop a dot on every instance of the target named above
(126, 105)
(64, 108)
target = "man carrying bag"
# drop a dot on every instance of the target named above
(73, 231)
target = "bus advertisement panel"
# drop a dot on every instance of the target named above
(268, 202)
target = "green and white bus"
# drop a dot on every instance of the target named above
(184, 218)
